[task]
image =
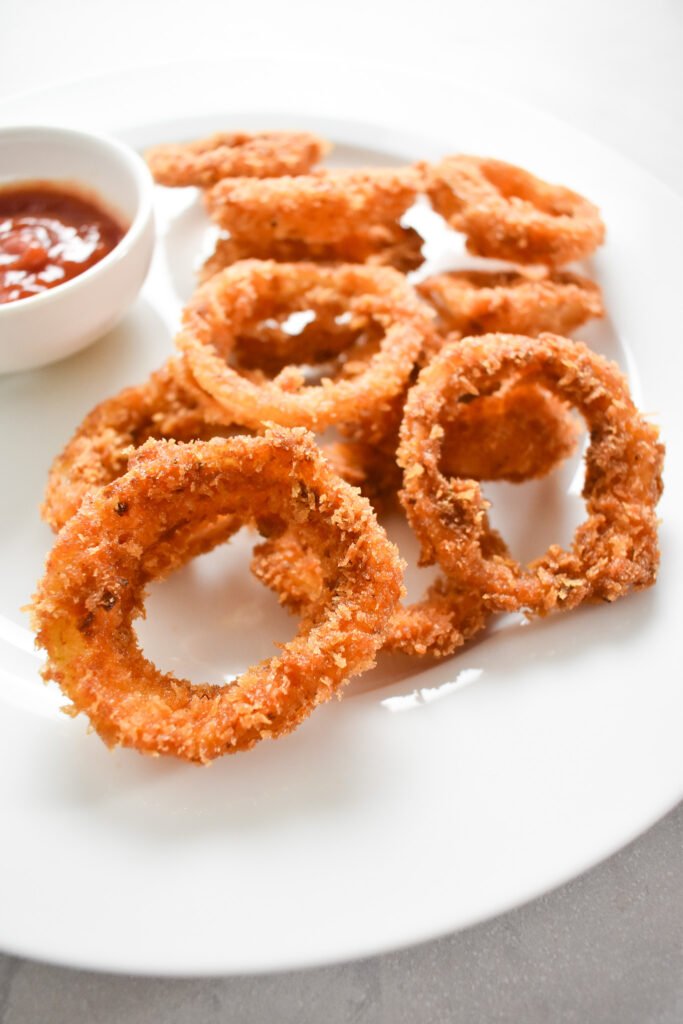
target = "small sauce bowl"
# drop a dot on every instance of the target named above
(62, 320)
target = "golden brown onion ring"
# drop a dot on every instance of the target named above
(380, 245)
(249, 297)
(93, 590)
(204, 162)
(163, 406)
(507, 213)
(613, 551)
(320, 208)
(480, 302)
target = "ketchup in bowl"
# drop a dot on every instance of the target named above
(49, 234)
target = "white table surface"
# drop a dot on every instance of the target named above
(607, 947)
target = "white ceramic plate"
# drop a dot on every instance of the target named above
(432, 796)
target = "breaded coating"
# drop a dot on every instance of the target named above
(380, 245)
(481, 302)
(520, 432)
(163, 406)
(445, 618)
(204, 162)
(321, 208)
(517, 433)
(508, 214)
(93, 590)
(373, 311)
(613, 551)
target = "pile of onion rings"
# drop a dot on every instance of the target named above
(315, 312)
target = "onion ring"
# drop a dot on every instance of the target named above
(252, 293)
(164, 406)
(613, 551)
(509, 214)
(204, 162)
(480, 302)
(381, 245)
(326, 207)
(93, 587)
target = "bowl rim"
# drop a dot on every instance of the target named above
(134, 165)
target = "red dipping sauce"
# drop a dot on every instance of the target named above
(49, 234)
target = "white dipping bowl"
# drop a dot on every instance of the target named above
(61, 320)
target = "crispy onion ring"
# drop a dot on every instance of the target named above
(204, 162)
(163, 406)
(380, 245)
(480, 302)
(320, 208)
(237, 301)
(93, 587)
(507, 213)
(613, 551)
